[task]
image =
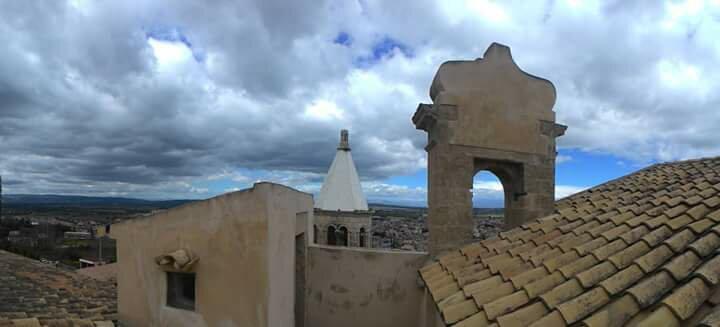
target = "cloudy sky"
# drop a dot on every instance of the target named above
(189, 99)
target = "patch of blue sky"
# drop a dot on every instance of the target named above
(589, 169)
(174, 34)
(386, 47)
(343, 38)
(417, 179)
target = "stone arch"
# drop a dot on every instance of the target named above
(342, 236)
(331, 235)
(511, 177)
(363, 237)
(315, 233)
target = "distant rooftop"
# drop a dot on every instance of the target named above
(37, 294)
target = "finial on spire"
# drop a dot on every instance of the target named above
(344, 140)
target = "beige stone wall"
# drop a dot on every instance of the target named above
(246, 245)
(353, 221)
(359, 287)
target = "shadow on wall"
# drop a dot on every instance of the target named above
(361, 287)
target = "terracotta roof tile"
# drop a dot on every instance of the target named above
(681, 266)
(536, 260)
(444, 291)
(714, 297)
(561, 260)
(625, 252)
(701, 226)
(710, 271)
(615, 232)
(712, 319)
(712, 201)
(688, 298)
(654, 259)
(706, 245)
(679, 222)
(528, 277)
(41, 293)
(524, 316)
(590, 246)
(715, 215)
(660, 317)
(580, 307)
(621, 218)
(596, 274)
(579, 265)
(534, 251)
(616, 313)
(622, 279)
(547, 237)
(680, 240)
(544, 284)
(562, 293)
(492, 294)
(635, 234)
(456, 298)
(477, 320)
(456, 312)
(469, 270)
(482, 285)
(509, 261)
(505, 304)
(695, 199)
(570, 226)
(625, 257)
(553, 319)
(574, 242)
(651, 289)
(698, 211)
(609, 249)
(676, 210)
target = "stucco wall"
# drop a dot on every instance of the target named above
(361, 287)
(245, 243)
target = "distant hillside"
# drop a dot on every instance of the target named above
(84, 201)
(391, 207)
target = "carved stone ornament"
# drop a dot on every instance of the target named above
(181, 260)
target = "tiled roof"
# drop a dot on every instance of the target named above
(37, 294)
(642, 249)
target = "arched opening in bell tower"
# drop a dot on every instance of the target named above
(488, 203)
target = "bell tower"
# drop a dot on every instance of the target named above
(487, 114)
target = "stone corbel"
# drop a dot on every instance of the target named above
(552, 129)
(425, 117)
(178, 261)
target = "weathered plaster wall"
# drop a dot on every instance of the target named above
(360, 287)
(240, 275)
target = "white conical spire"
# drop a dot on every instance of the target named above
(341, 189)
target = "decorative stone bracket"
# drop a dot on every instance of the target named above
(179, 261)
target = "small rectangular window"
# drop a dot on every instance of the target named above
(181, 290)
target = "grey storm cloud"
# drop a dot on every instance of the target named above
(89, 104)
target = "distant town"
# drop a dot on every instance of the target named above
(63, 230)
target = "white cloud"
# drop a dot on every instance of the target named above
(141, 114)
(562, 158)
(323, 110)
(562, 191)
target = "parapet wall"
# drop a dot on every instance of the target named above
(361, 287)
